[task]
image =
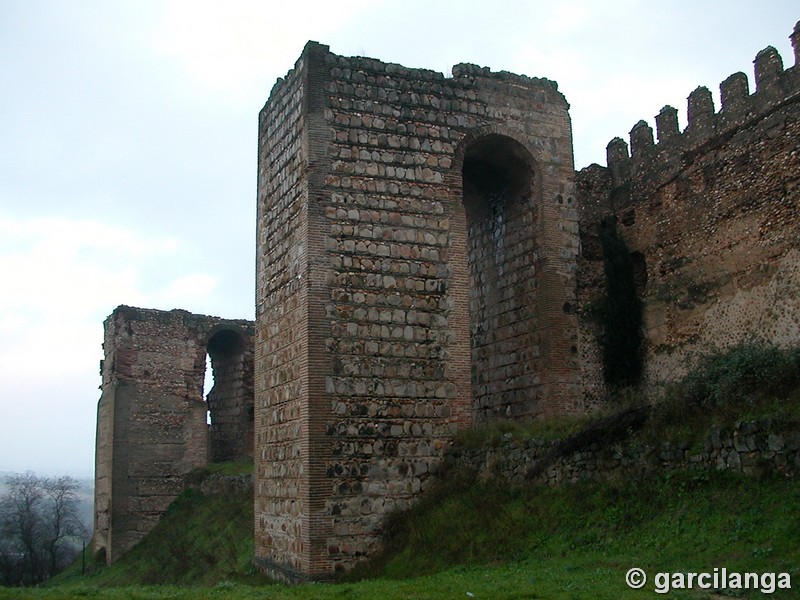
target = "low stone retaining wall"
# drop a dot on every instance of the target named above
(216, 483)
(757, 448)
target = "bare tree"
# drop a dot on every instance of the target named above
(40, 529)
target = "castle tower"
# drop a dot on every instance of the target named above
(417, 241)
(153, 424)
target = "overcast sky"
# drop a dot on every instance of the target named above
(128, 147)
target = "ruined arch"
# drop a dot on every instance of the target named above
(230, 400)
(151, 417)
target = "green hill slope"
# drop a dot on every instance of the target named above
(469, 538)
(493, 542)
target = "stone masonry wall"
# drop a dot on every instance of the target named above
(758, 448)
(282, 497)
(230, 400)
(712, 215)
(387, 197)
(151, 423)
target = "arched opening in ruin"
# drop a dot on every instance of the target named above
(499, 191)
(229, 397)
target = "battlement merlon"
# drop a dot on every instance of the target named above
(775, 86)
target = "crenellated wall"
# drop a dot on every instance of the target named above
(427, 259)
(713, 213)
(152, 419)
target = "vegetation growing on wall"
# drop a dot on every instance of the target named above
(745, 382)
(621, 339)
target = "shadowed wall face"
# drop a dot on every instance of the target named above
(230, 401)
(498, 181)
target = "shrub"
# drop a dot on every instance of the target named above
(746, 372)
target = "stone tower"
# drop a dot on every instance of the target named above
(152, 420)
(417, 242)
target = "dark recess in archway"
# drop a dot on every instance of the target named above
(230, 399)
(498, 179)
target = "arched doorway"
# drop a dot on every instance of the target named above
(500, 195)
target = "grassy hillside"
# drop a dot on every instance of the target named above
(472, 540)
(483, 539)
(202, 540)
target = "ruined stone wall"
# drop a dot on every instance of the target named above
(230, 400)
(712, 213)
(151, 418)
(757, 448)
(417, 242)
(282, 498)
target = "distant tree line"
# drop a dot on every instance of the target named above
(40, 529)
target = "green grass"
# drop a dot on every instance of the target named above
(681, 522)
(202, 540)
(747, 382)
(469, 538)
(574, 542)
(233, 468)
(494, 542)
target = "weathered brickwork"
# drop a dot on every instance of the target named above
(151, 419)
(711, 214)
(417, 243)
(230, 400)
(428, 259)
(281, 352)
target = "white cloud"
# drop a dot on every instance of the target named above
(567, 17)
(61, 278)
(182, 289)
(228, 48)
(67, 267)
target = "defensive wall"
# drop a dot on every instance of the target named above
(710, 217)
(428, 259)
(152, 419)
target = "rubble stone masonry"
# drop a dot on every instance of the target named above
(152, 419)
(756, 448)
(417, 238)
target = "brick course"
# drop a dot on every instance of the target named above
(411, 312)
